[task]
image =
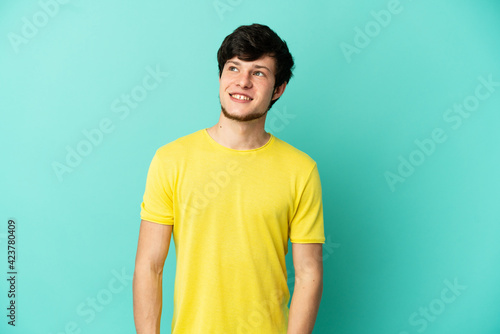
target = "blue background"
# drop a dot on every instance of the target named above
(394, 243)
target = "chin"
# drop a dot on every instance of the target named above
(242, 116)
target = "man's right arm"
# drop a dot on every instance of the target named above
(152, 250)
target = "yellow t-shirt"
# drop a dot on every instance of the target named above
(233, 212)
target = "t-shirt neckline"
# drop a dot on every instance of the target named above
(215, 143)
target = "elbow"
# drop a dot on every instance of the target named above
(147, 268)
(310, 278)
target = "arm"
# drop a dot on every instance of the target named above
(308, 264)
(152, 250)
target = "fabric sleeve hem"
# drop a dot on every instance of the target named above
(308, 241)
(157, 221)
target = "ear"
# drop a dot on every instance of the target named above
(278, 91)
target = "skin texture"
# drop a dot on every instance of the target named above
(308, 264)
(240, 127)
(152, 250)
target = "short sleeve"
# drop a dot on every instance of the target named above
(307, 224)
(157, 205)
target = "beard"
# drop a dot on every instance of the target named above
(244, 118)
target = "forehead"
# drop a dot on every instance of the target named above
(264, 61)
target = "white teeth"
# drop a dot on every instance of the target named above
(240, 97)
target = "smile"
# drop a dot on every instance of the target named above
(241, 97)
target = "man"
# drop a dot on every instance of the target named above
(232, 195)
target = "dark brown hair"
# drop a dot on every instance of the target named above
(250, 42)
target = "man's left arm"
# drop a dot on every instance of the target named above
(308, 264)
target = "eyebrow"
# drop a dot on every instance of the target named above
(255, 66)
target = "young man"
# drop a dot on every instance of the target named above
(232, 195)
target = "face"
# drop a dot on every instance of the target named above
(247, 88)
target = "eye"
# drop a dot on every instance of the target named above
(231, 68)
(261, 74)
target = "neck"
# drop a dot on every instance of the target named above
(239, 135)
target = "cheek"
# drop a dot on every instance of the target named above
(222, 85)
(224, 82)
(269, 92)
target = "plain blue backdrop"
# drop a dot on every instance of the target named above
(397, 101)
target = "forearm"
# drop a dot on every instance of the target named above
(305, 305)
(147, 295)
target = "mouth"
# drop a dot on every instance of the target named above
(240, 97)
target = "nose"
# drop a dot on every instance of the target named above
(244, 79)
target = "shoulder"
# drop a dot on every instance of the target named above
(180, 145)
(294, 155)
